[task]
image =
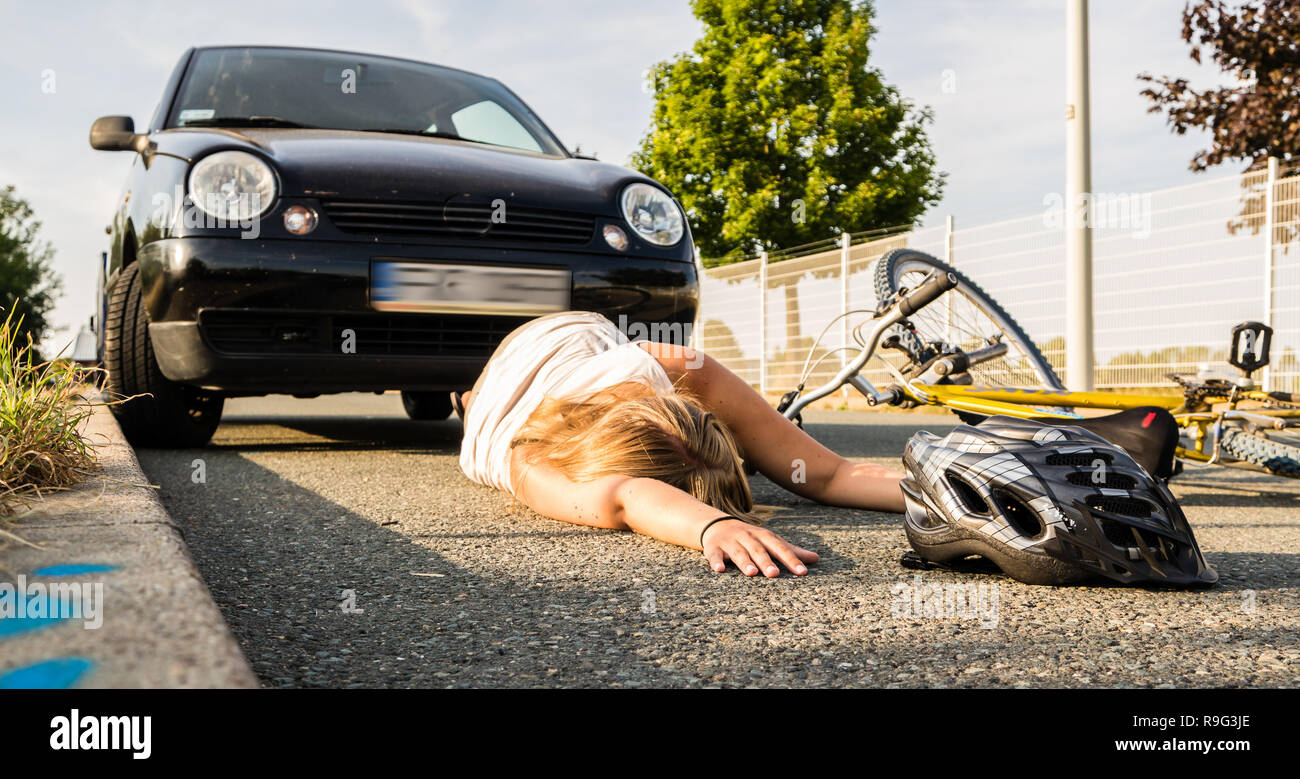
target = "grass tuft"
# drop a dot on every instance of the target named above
(41, 448)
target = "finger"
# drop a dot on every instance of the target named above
(740, 556)
(786, 552)
(807, 555)
(758, 553)
(717, 560)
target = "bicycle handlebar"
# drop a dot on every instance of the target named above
(922, 297)
(927, 293)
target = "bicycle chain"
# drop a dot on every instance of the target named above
(1197, 393)
(1275, 403)
(1194, 393)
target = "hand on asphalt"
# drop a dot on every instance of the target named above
(753, 550)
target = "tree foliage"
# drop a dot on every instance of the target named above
(1258, 45)
(28, 283)
(774, 130)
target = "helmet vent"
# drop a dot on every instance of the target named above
(1079, 459)
(1021, 518)
(1141, 543)
(1117, 533)
(1127, 507)
(967, 494)
(1079, 554)
(1109, 478)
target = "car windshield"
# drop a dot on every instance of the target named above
(264, 87)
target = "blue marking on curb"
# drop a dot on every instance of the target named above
(13, 626)
(74, 569)
(17, 625)
(57, 674)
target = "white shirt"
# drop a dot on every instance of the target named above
(571, 355)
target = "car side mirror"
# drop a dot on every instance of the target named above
(117, 133)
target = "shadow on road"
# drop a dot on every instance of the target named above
(278, 561)
(872, 435)
(278, 557)
(1262, 491)
(260, 434)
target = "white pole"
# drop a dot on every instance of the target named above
(695, 323)
(947, 299)
(762, 322)
(1269, 199)
(846, 241)
(947, 240)
(1078, 184)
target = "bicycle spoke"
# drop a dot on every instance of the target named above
(957, 321)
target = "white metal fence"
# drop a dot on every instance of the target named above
(1174, 269)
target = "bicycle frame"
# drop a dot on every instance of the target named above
(1013, 401)
(1201, 424)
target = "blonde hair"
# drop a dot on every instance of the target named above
(630, 429)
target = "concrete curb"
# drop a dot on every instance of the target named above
(160, 627)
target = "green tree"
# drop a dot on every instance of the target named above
(28, 283)
(775, 131)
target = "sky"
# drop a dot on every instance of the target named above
(993, 73)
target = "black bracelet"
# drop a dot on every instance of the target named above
(714, 522)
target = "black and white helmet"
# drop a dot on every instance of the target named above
(1047, 505)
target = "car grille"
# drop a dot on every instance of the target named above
(460, 221)
(409, 335)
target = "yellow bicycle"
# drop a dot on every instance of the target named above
(947, 343)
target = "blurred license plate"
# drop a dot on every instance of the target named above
(468, 289)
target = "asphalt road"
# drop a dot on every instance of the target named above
(453, 585)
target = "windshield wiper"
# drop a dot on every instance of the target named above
(422, 133)
(247, 121)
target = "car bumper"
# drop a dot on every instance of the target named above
(295, 316)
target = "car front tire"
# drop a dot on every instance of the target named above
(427, 406)
(160, 413)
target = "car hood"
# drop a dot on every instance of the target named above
(378, 166)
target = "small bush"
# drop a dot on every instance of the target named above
(40, 413)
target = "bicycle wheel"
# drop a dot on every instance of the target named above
(963, 318)
(1276, 457)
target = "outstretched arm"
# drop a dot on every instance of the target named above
(777, 447)
(658, 510)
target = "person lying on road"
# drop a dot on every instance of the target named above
(583, 426)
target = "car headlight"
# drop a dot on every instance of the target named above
(234, 186)
(653, 215)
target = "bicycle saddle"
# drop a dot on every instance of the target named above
(1148, 433)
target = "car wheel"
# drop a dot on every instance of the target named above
(160, 413)
(427, 406)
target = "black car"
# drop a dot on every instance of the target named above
(304, 221)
